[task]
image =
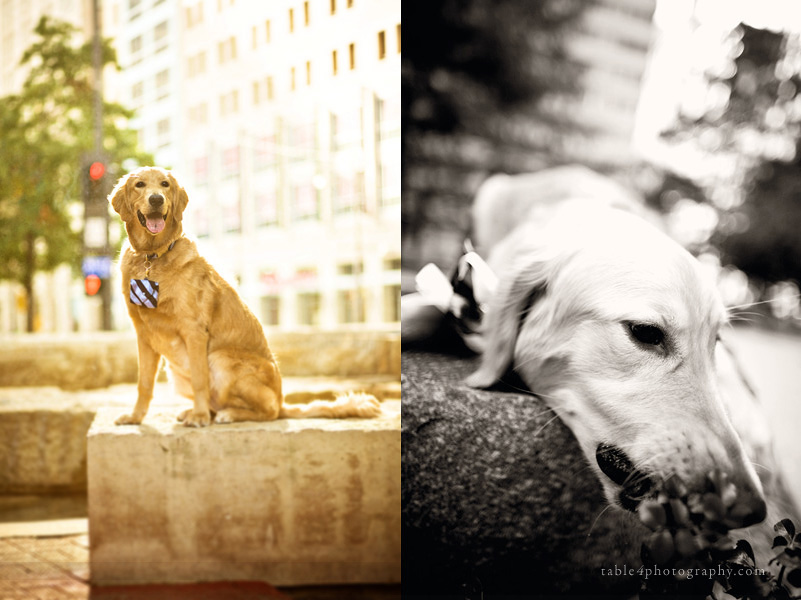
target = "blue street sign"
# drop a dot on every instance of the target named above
(97, 265)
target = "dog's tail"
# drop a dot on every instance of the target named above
(352, 404)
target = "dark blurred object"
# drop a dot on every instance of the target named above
(770, 247)
(482, 56)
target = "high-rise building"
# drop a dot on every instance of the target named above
(282, 119)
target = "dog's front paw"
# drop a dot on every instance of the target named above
(196, 419)
(131, 419)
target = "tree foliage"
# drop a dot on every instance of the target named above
(47, 131)
(757, 122)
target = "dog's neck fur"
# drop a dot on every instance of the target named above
(157, 244)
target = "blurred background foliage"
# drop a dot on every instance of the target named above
(48, 138)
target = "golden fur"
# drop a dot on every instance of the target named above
(215, 346)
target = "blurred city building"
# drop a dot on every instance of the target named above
(609, 47)
(282, 120)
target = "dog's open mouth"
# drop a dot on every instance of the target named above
(635, 485)
(154, 222)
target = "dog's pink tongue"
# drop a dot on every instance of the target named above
(155, 224)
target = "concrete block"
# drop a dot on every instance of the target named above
(291, 502)
(43, 449)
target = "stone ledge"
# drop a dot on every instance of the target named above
(43, 430)
(103, 359)
(292, 502)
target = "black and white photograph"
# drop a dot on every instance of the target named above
(601, 327)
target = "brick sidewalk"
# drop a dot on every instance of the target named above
(57, 568)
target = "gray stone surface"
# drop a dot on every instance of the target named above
(497, 496)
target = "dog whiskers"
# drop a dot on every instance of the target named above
(595, 522)
(548, 422)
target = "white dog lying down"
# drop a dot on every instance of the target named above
(616, 327)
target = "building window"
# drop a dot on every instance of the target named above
(392, 264)
(161, 31)
(352, 55)
(198, 114)
(254, 34)
(305, 202)
(137, 91)
(333, 7)
(136, 44)
(230, 162)
(227, 50)
(351, 306)
(270, 89)
(162, 78)
(201, 170)
(355, 268)
(291, 20)
(308, 307)
(306, 13)
(264, 155)
(346, 195)
(398, 36)
(382, 45)
(229, 103)
(292, 79)
(163, 131)
(271, 310)
(196, 64)
(266, 200)
(308, 72)
(267, 35)
(194, 15)
(350, 3)
(334, 62)
(392, 294)
(162, 84)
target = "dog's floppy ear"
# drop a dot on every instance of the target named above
(509, 307)
(119, 198)
(181, 198)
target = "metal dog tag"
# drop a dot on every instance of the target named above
(144, 293)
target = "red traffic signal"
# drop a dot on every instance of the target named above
(92, 284)
(96, 170)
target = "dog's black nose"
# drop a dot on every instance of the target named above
(156, 200)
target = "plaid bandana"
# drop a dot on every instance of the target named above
(144, 293)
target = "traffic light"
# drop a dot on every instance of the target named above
(92, 284)
(96, 184)
(97, 170)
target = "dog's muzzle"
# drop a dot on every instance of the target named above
(635, 485)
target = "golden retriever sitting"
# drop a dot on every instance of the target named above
(182, 309)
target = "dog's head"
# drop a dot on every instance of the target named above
(615, 326)
(151, 204)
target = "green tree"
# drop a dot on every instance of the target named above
(47, 132)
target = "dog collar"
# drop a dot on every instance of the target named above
(154, 256)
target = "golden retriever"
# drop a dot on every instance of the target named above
(182, 309)
(617, 328)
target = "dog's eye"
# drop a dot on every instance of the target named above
(647, 334)
(140, 184)
(165, 184)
